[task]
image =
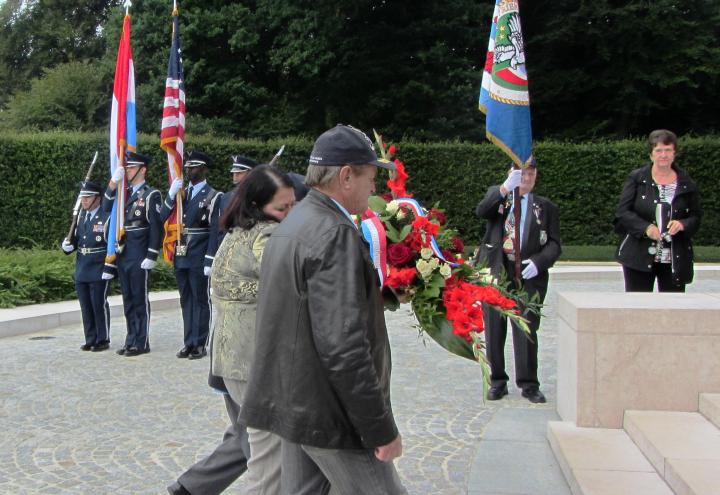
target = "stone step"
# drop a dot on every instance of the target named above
(710, 407)
(602, 461)
(684, 448)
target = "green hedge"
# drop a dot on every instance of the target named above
(40, 173)
(33, 276)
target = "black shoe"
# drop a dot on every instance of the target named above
(100, 347)
(135, 351)
(85, 347)
(184, 352)
(534, 395)
(197, 353)
(121, 351)
(497, 393)
(177, 489)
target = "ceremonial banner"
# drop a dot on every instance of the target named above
(172, 133)
(122, 134)
(504, 95)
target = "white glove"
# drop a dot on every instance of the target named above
(207, 270)
(66, 246)
(513, 180)
(107, 276)
(530, 270)
(117, 176)
(148, 264)
(175, 187)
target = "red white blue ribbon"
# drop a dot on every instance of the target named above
(373, 231)
(419, 212)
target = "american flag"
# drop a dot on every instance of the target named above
(122, 135)
(172, 133)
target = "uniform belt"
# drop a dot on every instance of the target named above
(130, 229)
(198, 230)
(92, 250)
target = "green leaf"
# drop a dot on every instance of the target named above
(377, 204)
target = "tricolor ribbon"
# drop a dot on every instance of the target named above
(419, 212)
(373, 231)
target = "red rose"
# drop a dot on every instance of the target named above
(399, 254)
(387, 197)
(437, 215)
(458, 245)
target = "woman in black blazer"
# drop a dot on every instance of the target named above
(658, 213)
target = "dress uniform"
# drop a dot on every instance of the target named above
(239, 168)
(91, 244)
(194, 254)
(142, 241)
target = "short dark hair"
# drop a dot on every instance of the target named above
(251, 196)
(661, 136)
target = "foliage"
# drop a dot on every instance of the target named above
(41, 172)
(69, 95)
(35, 276)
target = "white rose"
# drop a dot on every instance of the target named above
(445, 270)
(425, 268)
(400, 214)
(392, 207)
(426, 253)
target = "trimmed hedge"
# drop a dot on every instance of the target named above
(34, 276)
(40, 173)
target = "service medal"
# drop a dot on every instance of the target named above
(137, 213)
(98, 238)
(652, 250)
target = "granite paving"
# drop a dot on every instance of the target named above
(76, 422)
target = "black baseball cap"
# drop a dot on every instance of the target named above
(345, 145)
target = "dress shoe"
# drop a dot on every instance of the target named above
(534, 395)
(497, 393)
(135, 351)
(121, 351)
(184, 352)
(197, 353)
(103, 346)
(85, 347)
(177, 489)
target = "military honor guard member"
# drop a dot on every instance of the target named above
(90, 241)
(539, 232)
(193, 252)
(138, 256)
(239, 168)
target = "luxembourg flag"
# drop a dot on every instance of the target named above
(504, 95)
(122, 136)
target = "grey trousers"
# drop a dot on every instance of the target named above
(213, 474)
(311, 471)
(263, 476)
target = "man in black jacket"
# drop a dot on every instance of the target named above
(321, 372)
(539, 249)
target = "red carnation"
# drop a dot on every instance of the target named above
(400, 277)
(399, 254)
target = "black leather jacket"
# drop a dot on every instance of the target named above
(321, 372)
(636, 211)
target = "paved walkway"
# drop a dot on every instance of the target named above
(76, 422)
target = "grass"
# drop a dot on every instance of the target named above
(703, 254)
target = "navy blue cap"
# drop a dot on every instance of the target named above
(345, 145)
(197, 159)
(90, 188)
(133, 159)
(241, 163)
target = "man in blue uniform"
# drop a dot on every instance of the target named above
(193, 253)
(90, 242)
(138, 256)
(239, 168)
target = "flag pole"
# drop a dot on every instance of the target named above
(127, 4)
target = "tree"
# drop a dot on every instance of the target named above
(68, 96)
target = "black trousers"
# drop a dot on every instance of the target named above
(637, 281)
(136, 305)
(95, 311)
(194, 288)
(524, 345)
